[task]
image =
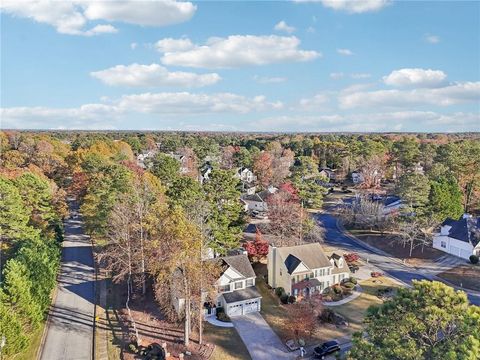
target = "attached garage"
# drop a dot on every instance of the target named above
(241, 302)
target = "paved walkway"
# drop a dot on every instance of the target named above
(213, 320)
(261, 341)
(69, 331)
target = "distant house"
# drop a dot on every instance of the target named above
(236, 291)
(258, 201)
(357, 177)
(392, 205)
(459, 237)
(328, 173)
(144, 156)
(182, 159)
(245, 175)
(205, 172)
(304, 269)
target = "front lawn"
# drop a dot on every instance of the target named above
(467, 276)
(354, 311)
(229, 345)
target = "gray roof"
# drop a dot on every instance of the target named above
(242, 295)
(449, 221)
(291, 262)
(311, 255)
(459, 230)
(240, 263)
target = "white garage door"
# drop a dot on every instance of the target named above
(455, 250)
(235, 310)
(465, 254)
(250, 307)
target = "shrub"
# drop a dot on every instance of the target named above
(348, 285)
(284, 298)
(292, 299)
(279, 291)
(223, 317)
(220, 309)
(327, 315)
(474, 259)
(337, 289)
(353, 280)
(350, 258)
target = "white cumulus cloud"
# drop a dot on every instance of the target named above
(137, 75)
(352, 6)
(453, 94)
(73, 17)
(269, 80)
(432, 39)
(415, 77)
(283, 26)
(234, 51)
(345, 52)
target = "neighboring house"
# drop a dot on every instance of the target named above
(459, 237)
(328, 173)
(303, 270)
(245, 175)
(205, 172)
(258, 201)
(236, 291)
(143, 157)
(392, 205)
(357, 177)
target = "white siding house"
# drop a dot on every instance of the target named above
(459, 237)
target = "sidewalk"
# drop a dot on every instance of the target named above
(356, 293)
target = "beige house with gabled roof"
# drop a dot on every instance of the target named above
(304, 269)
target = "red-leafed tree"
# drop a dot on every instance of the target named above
(258, 248)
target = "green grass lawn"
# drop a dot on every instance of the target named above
(229, 345)
(353, 311)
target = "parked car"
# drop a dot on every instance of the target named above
(353, 268)
(325, 349)
(376, 274)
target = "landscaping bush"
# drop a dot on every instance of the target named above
(284, 298)
(474, 259)
(292, 299)
(348, 285)
(327, 315)
(279, 291)
(220, 309)
(350, 258)
(337, 290)
(353, 280)
(223, 317)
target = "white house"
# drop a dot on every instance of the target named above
(357, 177)
(182, 159)
(236, 289)
(258, 201)
(304, 269)
(245, 175)
(392, 205)
(459, 237)
(205, 173)
(144, 156)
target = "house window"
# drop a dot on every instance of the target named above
(443, 244)
(224, 288)
(238, 285)
(249, 282)
(293, 280)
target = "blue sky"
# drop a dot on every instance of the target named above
(372, 65)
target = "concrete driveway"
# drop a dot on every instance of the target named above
(261, 341)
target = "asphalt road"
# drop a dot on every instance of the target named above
(336, 237)
(70, 326)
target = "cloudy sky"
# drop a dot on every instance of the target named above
(324, 65)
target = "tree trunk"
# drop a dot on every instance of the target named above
(200, 321)
(411, 247)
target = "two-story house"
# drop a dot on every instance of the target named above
(303, 270)
(258, 201)
(245, 175)
(459, 237)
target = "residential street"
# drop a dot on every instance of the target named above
(391, 266)
(70, 326)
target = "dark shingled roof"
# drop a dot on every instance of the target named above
(459, 230)
(291, 262)
(449, 221)
(242, 295)
(241, 264)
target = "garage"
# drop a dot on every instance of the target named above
(241, 302)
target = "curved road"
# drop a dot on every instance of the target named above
(69, 333)
(393, 267)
